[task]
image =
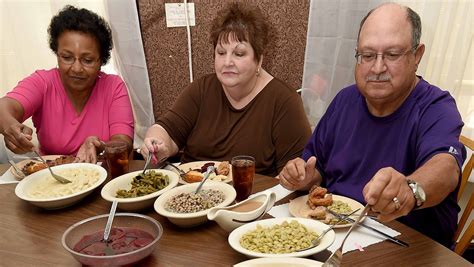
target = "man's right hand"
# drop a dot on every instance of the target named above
(18, 138)
(298, 174)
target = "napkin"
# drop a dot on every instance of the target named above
(8, 178)
(359, 238)
(279, 191)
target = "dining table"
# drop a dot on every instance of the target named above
(31, 236)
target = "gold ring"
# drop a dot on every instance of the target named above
(397, 203)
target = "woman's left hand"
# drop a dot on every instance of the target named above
(88, 150)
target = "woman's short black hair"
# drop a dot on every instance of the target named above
(85, 21)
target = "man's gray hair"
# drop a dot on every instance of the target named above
(412, 17)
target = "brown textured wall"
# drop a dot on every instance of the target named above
(166, 48)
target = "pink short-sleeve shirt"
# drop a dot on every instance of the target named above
(60, 130)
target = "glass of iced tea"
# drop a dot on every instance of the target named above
(116, 154)
(243, 171)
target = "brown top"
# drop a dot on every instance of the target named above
(272, 128)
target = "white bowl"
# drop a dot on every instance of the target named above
(313, 225)
(109, 191)
(27, 184)
(195, 218)
(279, 262)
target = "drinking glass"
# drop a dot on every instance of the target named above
(243, 171)
(116, 154)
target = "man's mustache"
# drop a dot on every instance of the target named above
(384, 77)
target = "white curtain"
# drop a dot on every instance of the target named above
(130, 62)
(24, 48)
(447, 63)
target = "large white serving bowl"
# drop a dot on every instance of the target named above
(26, 185)
(318, 227)
(279, 262)
(109, 191)
(194, 218)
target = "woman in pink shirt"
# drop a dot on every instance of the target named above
(75, 107)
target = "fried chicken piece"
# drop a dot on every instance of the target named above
(318, 197)
(32, 167)
(193, 176)
(319, 213)
(223, 168)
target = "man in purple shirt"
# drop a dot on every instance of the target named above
(391, 140)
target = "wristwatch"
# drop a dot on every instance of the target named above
(418, 193)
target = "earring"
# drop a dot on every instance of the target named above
(258, 72)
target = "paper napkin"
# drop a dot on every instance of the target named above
(359, 237)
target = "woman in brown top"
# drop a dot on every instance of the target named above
(240, 109)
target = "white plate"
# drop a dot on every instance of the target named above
(109, 191)
(197, 165)
(22, 164)
(313, 225)
(299, 208)
(279, 262)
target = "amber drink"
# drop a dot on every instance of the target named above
(243, 171)
(116, 154)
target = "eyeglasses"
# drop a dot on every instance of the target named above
(368, 58)
(85, 62)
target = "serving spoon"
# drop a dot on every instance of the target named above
(108, 227)
(210, 169)
(55, 176)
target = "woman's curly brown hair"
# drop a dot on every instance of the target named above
(243, 23)
(85, 21)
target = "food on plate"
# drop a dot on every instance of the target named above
(193, 176)
(318, 197)
(145, 184)
(34, 166)
(223, 168)
(319, 201)
(48, 187)
(196, 175)
(192, 202)
(121, 240)
(281, 238)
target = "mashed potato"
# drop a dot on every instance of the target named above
(48, 187)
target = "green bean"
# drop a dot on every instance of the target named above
(145, 184)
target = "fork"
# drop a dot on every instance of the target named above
(336, 257)
(181, 172)
(316, 241)
(55, 176)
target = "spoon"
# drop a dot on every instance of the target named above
(17, 170)
(108, 227)
(206, 175)
(55, 176)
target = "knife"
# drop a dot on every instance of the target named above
(347, 219)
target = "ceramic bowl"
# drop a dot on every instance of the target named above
(313, 225)
(27, 185)
(243, 212)
(88, 226)
(109, 191)
(194, 218)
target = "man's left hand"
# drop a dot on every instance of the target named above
(384, 190)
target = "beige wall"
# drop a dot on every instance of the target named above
(166, 48)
